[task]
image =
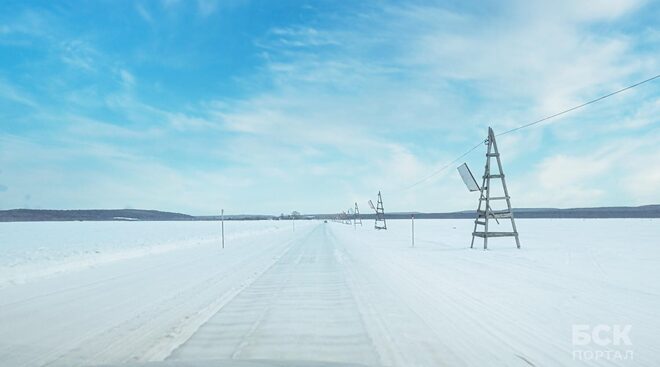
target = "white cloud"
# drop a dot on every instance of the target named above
(521, 65)
(619, 172)
(207, 7)
(581, 10)
(89, 128)
(182, 122)
(566, 182)
(550, 63)
(375, 101)
(642, 183)
(647, 114)
(78, 54)
(144, 13)
(128, 80)
(14, 94)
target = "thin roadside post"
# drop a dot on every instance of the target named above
(412, 221)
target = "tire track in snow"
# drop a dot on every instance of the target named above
(104, 321)
(399, 334)
(154, 328)
(300, 309)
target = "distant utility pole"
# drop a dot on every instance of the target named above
(356, 214)
(354, 221)
(222, 217)
(380, 213)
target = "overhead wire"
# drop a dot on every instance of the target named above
(442, 168)
(449, 164)
(578, 106)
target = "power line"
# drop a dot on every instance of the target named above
(443, 167)
(579, 106)
(528, 125)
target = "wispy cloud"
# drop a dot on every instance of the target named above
(14, 94)
(144, 13)
(344, 101)
(78, 54)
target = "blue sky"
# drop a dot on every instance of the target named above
(274, 106)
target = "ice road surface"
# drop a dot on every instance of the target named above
(90, 293)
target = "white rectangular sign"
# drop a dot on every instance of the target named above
(468, 178)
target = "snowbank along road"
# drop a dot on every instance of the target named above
(329, 292)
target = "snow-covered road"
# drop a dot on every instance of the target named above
(331, 292)
(133, 308)
(302, 308)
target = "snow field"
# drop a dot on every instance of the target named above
(506, 306)
(32, 250)
(326, 292)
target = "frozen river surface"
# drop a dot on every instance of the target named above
(114, 293)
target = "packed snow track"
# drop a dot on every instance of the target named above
(325, 293)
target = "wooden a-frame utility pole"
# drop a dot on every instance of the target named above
(380, 214)
(484, 210)
(356, 216)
